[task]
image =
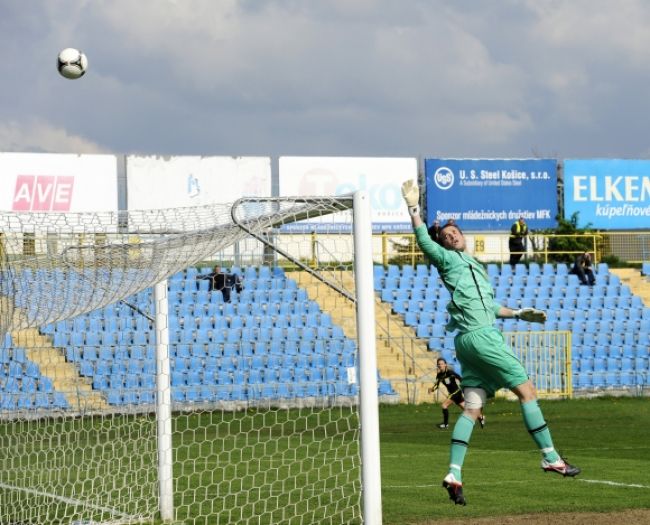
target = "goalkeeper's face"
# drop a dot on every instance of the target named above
(452, 238)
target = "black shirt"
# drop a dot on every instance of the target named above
(450, 379)
(219, 281)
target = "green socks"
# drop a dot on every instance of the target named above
(534, 421)
(459, 442)
(537, 428)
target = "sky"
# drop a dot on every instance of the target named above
(425, 78)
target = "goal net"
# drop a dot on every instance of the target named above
(138, 386)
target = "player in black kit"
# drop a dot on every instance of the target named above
(450, 379)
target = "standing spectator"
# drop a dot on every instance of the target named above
(223, 282)
(434, 231)
(517, 241)
(582, 267)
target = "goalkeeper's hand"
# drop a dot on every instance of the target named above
(532, 315)
(411, 194)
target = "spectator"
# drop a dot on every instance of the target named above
(517, 241)
(434, 231)
(223, 282)
(582, 267)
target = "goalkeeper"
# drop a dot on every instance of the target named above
(488, 364)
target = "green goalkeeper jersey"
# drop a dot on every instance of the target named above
(472, 304)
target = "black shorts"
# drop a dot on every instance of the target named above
(457, 397)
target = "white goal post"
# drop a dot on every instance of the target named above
(131, 392)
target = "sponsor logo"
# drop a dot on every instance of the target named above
(443, 178)
(630, 188)
(193, 186)
(383, 197)
(43, 193)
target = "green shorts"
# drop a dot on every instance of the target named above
(487, 362)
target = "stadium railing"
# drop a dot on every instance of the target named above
(488, 247)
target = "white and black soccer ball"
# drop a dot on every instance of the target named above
(71, 63)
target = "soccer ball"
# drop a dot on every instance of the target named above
(71, 63)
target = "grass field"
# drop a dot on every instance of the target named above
(609, 438)
(266, 466)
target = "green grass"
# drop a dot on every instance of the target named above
(609, 438)
(274, 464)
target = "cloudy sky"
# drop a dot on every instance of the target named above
(432, 78)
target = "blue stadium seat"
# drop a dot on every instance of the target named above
(627, 378)
(612, 379)
(612, 364)
(410, 318)
(582, 381)
(629, 346)
(645, 268)
(598, 379)
(627, 363)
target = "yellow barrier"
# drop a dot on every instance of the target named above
(632, 247)
(487, 247)
(547, 359)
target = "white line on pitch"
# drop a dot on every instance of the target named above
(614, 483)
(517, 482)
(71, 501)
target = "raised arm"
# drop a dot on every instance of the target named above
(431, 249)
(411, 194)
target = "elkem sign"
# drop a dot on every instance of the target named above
(491, 194)
(608, 193)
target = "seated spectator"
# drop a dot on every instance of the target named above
(582, 267)
(224, 282)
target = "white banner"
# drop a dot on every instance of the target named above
(53, 182)
(381, 177)
(175, 182)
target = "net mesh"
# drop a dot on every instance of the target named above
(57, 266)
(265, 424)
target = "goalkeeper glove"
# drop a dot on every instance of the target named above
(411, 194)
(531, 315)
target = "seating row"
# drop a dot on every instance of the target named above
(610, 364)
(597, 294)
(32, 401)
(542, 281)
(532, 269)
(191, 322)
(611, 380)
(197, 284)
(105, 367)
(25, 383)
(240, 393)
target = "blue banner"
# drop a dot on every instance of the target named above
(491, 194)
(609, 194)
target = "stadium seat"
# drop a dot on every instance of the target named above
(598, 379)
(627, 364)
(612, 379)
(627, 378)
